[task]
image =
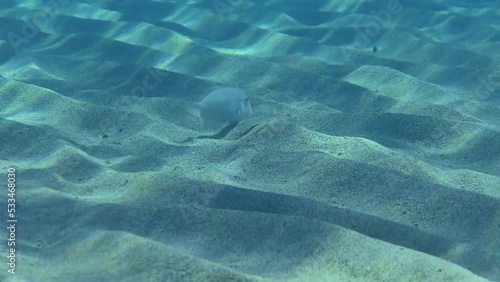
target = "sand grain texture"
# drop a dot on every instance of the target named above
(357, 165)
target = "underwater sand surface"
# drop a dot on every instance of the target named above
(373, 153)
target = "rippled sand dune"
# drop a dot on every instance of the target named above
(373, 153)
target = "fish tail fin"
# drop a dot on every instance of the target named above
(194, 109)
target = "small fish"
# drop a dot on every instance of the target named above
(224, 105)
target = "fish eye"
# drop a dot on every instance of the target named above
(246, 99)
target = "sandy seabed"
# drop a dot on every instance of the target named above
(373, 153)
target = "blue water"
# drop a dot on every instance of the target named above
(373, 151)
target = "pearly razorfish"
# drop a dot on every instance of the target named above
(221, 106)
